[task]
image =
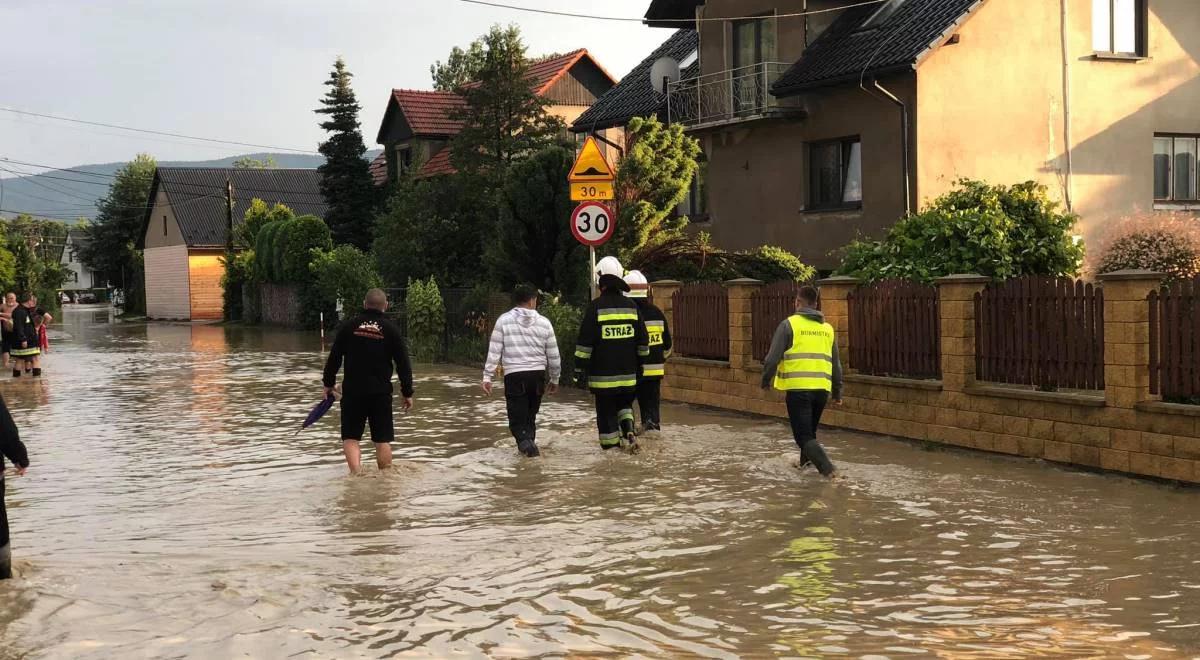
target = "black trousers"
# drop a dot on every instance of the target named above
(614, 417)
(804, 412)
(523, 393)
(5, 554)
(649, 398)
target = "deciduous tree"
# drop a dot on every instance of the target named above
(118, 226)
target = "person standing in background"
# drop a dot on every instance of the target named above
(25, 338)
(13, 449)
(649, 388)
(8, 306)
(523, 342)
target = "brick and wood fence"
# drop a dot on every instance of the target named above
(1094, 395)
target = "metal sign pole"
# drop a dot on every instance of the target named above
(592, 272)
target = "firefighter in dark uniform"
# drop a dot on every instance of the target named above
(612, 348)
(649, 389)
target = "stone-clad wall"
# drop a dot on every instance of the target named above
(1122, 429)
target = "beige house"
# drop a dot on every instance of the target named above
(185, 231)
(819, 126)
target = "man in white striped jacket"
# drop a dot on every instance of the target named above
(524, 343)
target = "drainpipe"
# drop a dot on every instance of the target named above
(1067, 142)
(904, 146)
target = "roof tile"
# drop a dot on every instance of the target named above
(847, 51)
(634, 96)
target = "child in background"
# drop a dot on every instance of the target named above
(39, 324)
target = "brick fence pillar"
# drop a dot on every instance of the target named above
(835, 304)
(956, 309)
(663, 293)
(741, 327)
(1127, 336)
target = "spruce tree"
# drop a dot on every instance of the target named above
(345, 177)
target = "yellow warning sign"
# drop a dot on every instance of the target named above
(590, 192)
(591, 166)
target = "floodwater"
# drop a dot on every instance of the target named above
(172, 512)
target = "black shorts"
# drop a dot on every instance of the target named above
(358, 411)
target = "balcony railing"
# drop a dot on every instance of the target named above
(726, 96)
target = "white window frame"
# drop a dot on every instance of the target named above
(1130, 16)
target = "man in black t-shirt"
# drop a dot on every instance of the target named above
(370, 344)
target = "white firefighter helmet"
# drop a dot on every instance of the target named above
(638, 286)
(609, 266)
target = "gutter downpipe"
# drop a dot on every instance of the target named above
(1067, 144)
(904, 139)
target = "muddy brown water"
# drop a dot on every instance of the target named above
(171, 512)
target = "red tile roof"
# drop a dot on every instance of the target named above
(428, 113)
(378, 169)
(438, 165)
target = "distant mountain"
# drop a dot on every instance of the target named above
(65, 196)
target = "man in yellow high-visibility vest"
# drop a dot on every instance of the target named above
(803, 362)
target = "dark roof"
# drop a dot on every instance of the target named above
(670, 13)
(634, 96)
(846, 52)
(197, 197)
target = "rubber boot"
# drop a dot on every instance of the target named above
(37, 372)
(5, 563)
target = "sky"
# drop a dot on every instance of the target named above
(249, 70)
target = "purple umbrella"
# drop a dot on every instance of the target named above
(317, 412)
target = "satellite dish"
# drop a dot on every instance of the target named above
(664, 71)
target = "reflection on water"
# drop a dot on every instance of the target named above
(173, 512)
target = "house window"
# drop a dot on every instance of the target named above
(1119, 26)
(753, 45)
(1175, 171)
(403, 160)
(695, 202)
(835, 174)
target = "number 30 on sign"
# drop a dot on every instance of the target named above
(592, 223)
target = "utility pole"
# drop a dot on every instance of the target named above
(228, 218)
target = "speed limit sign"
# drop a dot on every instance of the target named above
(592, 223)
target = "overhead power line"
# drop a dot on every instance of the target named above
(680, 21)
(154, 132)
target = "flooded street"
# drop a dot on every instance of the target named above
(171, 511)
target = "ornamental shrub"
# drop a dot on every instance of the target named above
(1166, 243)
(300, 239)
(238, 274)
(426, 314)
(566, 319)
(998, 231)
(344, 273)
(695, 259)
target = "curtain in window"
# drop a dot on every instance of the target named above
(1185, 168)
(827, 173)
(1162, 168)
(852, 173)
(1125, 26)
